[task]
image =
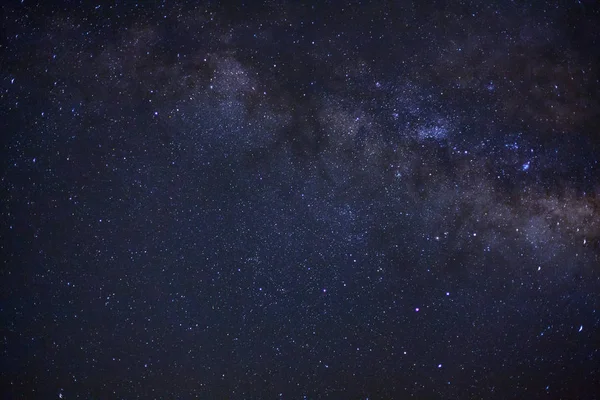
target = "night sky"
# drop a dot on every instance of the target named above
(237, 200)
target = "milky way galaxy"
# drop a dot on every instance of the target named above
(300, 201)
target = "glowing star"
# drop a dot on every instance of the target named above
(526, 166)
(580, 328)
(417, 309)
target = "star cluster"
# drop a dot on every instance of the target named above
(285, 200)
